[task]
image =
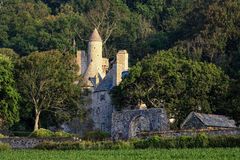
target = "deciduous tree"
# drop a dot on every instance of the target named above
(178, 84)
(48, 82)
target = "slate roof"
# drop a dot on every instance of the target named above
(212, 120)
(106, 84)
(95, 36)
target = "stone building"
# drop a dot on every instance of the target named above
(128, 123)
(99, 78)
(207, 121)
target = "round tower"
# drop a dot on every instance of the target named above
(95, 50)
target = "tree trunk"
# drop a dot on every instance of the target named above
(36, 121)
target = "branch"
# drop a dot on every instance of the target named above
(79, 36)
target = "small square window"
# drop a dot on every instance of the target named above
(102, 97)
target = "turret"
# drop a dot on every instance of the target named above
(94, 72)
(95, 50)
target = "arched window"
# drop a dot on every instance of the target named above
(98, 111)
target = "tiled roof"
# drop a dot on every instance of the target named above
(213, 120)
(216, 120)
(106, 84)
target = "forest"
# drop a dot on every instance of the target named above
(184, 54)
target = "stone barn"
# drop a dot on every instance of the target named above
(128, 123)
(207, 121)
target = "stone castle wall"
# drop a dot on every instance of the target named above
(102, 111)
(126, 124)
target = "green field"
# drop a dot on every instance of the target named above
(150, 154)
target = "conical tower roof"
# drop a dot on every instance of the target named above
(95, 36)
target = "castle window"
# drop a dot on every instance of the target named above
(98, 111)
(102, 97)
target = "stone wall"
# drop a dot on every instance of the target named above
(174, 133)
(101, 111)
(126, 124)
(24, 143)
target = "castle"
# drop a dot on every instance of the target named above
(100, 78)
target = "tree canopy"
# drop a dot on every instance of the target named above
(48, 83)
(199, 32)
(178, 84)
(9, 97)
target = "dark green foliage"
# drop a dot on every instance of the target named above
(9, 97)
(84, 145)
(178, 84)
(200, 30)
(21, 133)
(232, 105)
(46, 81)
(154, 142)
(9, 53)
(224, 141)
(97, 135)
(198, 141)
(201, 140)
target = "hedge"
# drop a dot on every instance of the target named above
(199, 141)
(84, 145)
(2, 136)
(97, 136)
(4, 146)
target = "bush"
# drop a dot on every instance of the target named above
(198, 141)
(4, 146)
(62, 134)
(201, 140)
(224, 141)
(97, 136)
(84, 145)
(41, 133)
(155, 142)
(122, 145)
(184, 142)
(2, 136)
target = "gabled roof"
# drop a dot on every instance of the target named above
(106, 84)
(212, 120)
(95, 36)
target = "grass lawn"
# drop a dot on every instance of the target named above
(148, 154)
